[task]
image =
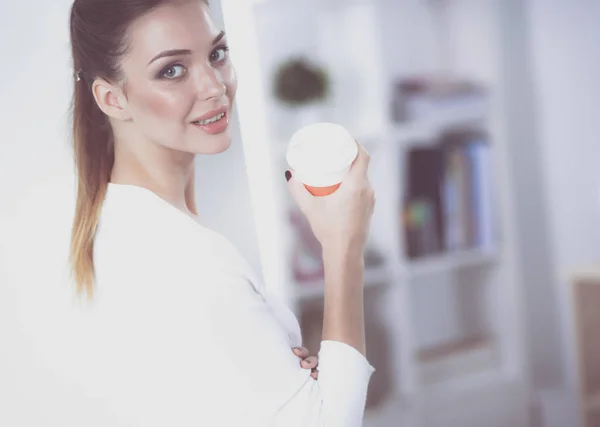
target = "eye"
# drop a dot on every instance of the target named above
(173, 72)
(220, 54)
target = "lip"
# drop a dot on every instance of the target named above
(210, 114)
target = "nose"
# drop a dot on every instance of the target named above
(209, 83)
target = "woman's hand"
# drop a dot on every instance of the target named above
(340, 221)
(308, 362)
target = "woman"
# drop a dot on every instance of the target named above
(154, 87)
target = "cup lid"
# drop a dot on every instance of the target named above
(321, 148)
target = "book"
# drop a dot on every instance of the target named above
(422, 214)
(481, 161)
(448, 203)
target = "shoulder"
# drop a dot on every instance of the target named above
(139, 240)
(140, 235)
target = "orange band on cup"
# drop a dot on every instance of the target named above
(322, 191)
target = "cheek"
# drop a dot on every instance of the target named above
(159, 104)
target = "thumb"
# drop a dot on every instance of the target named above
(298, 191)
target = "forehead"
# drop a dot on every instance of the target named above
(177, 25)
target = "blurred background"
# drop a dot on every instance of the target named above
(482, 268)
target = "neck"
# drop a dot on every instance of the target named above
(166, 172)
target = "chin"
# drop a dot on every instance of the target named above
(213, 144)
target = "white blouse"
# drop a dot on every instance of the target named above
(182, 333)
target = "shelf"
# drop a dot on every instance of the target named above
(451, 261)
(393, 412)
(469, 382)
(462, 296)
(426, 131)
(452, 349)
(589, 274)
(461, 364)
(374, 276)
(419, 132)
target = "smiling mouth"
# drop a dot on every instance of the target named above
(213, 119)
(214, 125)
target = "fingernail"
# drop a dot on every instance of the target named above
(288, 175)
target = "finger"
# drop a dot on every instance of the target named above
(299, 192)
(361, 163)
(309, 362)
(315, 374)
(301, 352)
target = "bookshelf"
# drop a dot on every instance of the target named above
(446, 343)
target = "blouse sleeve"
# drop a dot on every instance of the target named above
(256, 353)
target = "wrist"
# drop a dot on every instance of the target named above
(343, 256)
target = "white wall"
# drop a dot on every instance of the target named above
(227, 207)
(565, 40)
(35, 197)
(566, 65)
(528, 193)
(551, 62)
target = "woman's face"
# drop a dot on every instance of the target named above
(179, 82)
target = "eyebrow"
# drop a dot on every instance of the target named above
(177, 52)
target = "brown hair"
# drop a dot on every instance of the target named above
(99, 32)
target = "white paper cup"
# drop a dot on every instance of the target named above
(321, 155)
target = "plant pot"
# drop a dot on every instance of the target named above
(289, 119)
(309, 114)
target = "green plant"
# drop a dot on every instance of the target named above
(299, 82)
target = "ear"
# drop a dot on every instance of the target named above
(111, 99)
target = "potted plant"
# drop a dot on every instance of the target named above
(302, 87)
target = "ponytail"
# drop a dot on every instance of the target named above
(93, 148)
(99, 39)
